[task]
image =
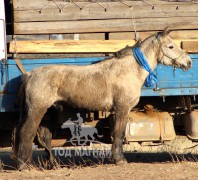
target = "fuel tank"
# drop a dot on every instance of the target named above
(150, 125)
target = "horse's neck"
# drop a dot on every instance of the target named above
(150, 49)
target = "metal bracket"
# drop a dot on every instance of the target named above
(188, 103)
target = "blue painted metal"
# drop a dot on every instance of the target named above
(178, 83)
(168, 84)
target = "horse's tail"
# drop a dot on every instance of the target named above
(21, 92)
(20, 103)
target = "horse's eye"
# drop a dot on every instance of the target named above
(170, 47)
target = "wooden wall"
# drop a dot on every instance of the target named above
(105, 20)
(59, 16)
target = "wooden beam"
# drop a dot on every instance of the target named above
(116, 25)
(71, 46)
(46, 4)
(190, 46)
(177, 34)
(114, 10)
(68, 46)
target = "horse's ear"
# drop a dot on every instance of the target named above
(166, 32)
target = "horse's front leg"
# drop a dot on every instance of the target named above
(120, 121)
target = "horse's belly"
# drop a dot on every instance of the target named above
(92, 103)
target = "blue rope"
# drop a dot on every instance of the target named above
(140, 58)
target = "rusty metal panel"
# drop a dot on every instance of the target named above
(191, 124)
(150, 126)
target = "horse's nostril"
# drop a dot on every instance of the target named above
(189, 63)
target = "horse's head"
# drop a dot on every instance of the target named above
(170, 53)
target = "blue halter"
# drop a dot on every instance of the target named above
(140, 58)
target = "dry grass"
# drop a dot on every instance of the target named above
(178, 166)
(179, 156)
(42, 164)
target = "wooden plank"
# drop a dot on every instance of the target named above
(129, 35)
(69, 46)
(189, 34)
(117, 25)
(115, 11)
(38, 4)
(190, 46)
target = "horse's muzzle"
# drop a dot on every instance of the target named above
(187, 66)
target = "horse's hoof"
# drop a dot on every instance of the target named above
(54, 164)
(121, 162)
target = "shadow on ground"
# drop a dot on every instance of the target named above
(6, 163)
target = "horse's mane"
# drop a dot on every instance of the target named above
(126, 51)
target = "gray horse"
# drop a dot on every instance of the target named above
(111, 85)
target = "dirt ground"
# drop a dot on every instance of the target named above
(150, 162)
(175, 160)
(141, 170)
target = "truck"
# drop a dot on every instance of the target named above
(34, 34)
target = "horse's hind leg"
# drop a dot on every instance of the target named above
(120, 121)
(25, 135)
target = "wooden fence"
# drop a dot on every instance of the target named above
(100, 20)
(58, 16)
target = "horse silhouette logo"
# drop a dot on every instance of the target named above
(80, 131)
